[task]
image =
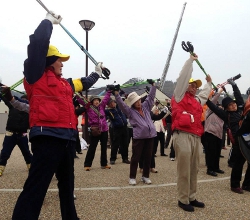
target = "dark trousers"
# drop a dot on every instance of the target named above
(103, 138)
(172, 152)
(223, 138)
(212, 151)
(51, 156)
(83, 132)
(169, 134)
(141, 147)
(168, 138)
(130, 135)
(111, 135)
(10, 142)
(232, 155)
(236, 173)
(228, 140)
(78, 143)
(152, 162)
(159, 138)
(120, 140)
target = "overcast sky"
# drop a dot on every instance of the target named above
(133, 38)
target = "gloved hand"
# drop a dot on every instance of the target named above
(117, 87)
(230, 81)
(7, 93)
(98, 68)
(121, 92)
(147, 89)
(165, 109)
(150, 81)
(248, 91)
(105, 73)
(110, 88)
(53, 18)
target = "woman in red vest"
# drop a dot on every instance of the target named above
(52, 121)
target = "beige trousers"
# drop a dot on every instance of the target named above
(187, 150)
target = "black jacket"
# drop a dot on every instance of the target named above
(230, 118)
(116, 117)
(18, 121)
(157, 117)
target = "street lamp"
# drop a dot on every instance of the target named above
(87, 25)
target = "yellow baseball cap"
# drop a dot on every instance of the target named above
(53, 51)
(197, 81)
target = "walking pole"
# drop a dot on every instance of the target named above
(16, 84)
(190, 49)
(147, 91)
(13, 86)
(225, 83)
(105, 71)
(84, 101)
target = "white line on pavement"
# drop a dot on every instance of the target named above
(123, 187)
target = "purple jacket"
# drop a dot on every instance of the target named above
(143, 127)
(94, 119)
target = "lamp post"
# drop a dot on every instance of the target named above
(87, 25)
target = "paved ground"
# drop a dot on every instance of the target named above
(105, 194)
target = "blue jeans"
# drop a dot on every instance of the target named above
(9, 142)
(51, 156)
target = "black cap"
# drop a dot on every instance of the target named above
(226, 101)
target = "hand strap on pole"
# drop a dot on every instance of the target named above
(190, 49)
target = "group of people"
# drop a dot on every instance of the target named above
(53, 128)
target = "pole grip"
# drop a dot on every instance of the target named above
(236, 77)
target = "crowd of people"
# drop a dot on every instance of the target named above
(53, 108)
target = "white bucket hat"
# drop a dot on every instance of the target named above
(133, 97)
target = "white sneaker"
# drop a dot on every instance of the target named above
(172, 159)
(132, 182)
(146, 180)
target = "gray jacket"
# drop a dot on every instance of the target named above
(213, 124)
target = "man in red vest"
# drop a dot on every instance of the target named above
(187, 131)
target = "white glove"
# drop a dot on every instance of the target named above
(53, 18)
(98, 68)
(165, 109)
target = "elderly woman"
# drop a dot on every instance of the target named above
(143, 131)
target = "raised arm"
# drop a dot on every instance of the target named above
(238, 96)
(34, 65)
(21, 106)
(122, 105)
(149, 101)
(106, 99)
(204, 93)
(218, 111)
(157, 117)
(84, 83)
(183, 79)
